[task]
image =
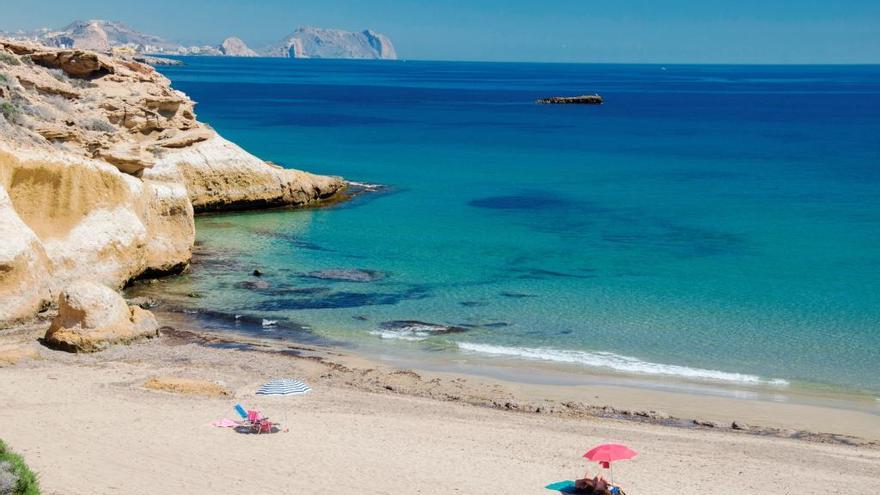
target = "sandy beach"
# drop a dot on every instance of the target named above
(88, 425)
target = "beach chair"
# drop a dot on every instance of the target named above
(249, 419)
(253, 421)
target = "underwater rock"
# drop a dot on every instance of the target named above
(413, 330)
(252, 284)
(529, 201)
(516, 295)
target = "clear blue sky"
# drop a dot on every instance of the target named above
(664, 31)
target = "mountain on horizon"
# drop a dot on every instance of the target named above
(307, 42)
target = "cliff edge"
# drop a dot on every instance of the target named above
(102, 166)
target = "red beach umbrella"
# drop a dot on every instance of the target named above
(607, 453)
(610, 452)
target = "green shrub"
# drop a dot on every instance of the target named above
(15, 477)
(8, 58)
(8, 110)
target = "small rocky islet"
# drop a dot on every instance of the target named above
(593, 99)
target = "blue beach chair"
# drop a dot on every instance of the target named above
(241, 412)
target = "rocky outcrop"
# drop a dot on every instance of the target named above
(572, 100)
(102, 166)
(235, 47)
(74, 63)
(92, 317)
(221, 176)
(312, 42)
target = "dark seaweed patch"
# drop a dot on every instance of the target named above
(516, 295)
(494, 324)
(527, 201)
(342, 299)
(539, 273)
(346, 275)
(473, 304)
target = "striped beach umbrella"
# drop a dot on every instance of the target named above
(284, 387)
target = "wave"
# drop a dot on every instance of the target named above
(409, 336)
(365, 185)
(617, 362)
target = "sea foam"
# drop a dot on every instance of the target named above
(617, 362)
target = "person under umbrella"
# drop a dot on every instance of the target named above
(605, 454)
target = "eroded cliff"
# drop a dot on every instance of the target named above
(102, 165)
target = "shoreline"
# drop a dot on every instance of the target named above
(584, 395)
(152, 402)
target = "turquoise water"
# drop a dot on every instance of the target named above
(716, 223)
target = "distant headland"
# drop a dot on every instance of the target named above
(305, 42)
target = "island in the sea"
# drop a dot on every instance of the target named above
(305, 42)
(572, 100)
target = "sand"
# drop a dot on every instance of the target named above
(88, 425)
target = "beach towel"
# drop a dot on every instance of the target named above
(224, 423)
(566, 486)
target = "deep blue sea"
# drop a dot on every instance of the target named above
(707, 223)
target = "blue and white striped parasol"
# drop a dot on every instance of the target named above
(284, 387)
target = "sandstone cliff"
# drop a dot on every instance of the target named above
(102, 165)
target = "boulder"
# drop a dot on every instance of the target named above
(92, 317)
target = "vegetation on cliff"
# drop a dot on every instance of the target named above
(16, 478)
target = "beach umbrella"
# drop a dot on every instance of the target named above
(284, 387)
(607, 453)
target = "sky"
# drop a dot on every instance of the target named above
(620, 31)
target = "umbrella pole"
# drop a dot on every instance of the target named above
(611, 471)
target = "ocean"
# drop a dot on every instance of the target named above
(707, 224)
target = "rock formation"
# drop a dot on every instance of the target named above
(92, 316)
(235, 47)
(102, 165)
(110, 36)
(572, 100)
(334, 43)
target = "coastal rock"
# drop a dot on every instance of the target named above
(156, 61)
(221, 176)
(92, 317)
(413, 330)
(74, 63)
(102, 167)
(23, 265)
(311, 42)
(235, 47)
